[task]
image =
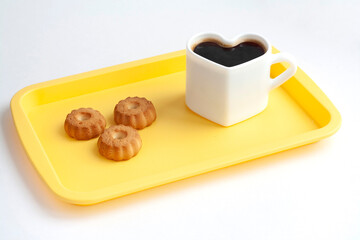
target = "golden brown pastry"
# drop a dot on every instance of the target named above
(135, 112)
(84, 123)
(119, 142)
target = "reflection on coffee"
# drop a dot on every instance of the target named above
(229, 56)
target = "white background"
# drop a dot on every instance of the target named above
(312, 192)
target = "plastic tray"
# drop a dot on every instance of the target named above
(178, 145)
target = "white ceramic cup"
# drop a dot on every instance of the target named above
(228, 95)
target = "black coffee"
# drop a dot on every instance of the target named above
(229, 56)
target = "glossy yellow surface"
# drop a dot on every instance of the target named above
(178, 145)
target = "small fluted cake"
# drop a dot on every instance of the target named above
(119, 142)
(84, 123)
(135, 112)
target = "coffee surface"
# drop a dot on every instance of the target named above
(229, 56)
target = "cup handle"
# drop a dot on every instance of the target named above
(289, 72)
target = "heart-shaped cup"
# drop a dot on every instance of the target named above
(228, 95)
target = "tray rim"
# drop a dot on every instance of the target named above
(37, 155)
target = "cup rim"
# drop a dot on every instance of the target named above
(198, 38)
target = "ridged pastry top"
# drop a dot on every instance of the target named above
(135, 112)
(119, 142)
(119, 136)
(84, 123)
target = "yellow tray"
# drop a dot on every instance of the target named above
(178, 145)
